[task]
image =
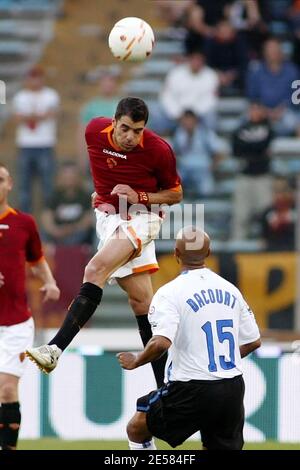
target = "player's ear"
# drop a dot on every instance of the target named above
(208, 253)
(176, 255)
(10, 183)
(114, 122)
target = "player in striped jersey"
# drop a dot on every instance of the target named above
(207, 326)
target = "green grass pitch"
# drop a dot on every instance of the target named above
(57, 444)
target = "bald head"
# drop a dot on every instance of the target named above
(192, 246)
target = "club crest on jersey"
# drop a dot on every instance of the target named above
(152, 310)
(111, 162)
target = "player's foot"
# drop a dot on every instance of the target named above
(45, 357)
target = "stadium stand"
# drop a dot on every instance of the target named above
(26, 27)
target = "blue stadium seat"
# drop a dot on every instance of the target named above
(232, 105)
(154, 68)
(168, 48)
(228, 124)
(13, 48)
(286, 145)
(143, 87)
(29, 7)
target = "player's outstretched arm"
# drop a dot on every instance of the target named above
(154, 349)
(166, 196)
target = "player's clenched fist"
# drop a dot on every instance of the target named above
(127, 360)
(125, 190)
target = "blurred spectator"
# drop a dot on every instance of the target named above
(294, 14)
(251, 143)
(213, 12)
(102, 105)
(244, 14)
(173, 11)
(68, 219)
(278, 222)
(192, 85)
(201, 19)
(227, 54)
(247, 19)
(35, 108)
(198, 150)
(269, 82)
(294, 18)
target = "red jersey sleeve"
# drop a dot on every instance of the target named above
(91, 131)
(166, 172)
(33, 249)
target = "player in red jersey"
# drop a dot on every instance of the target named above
(132, 168)
(19, 242)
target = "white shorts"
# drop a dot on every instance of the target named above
(141, 230)
(14, 340)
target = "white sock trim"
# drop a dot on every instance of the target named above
(147, 445)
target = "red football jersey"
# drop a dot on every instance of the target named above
(19, 242)
(150, 166)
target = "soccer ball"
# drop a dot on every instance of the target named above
(131, 39)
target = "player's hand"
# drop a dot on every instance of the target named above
(1, 280)
(50, 291)
(123, 190)
(93, 199)
(127, 360)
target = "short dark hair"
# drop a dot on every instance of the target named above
(189, 113)
(135, 108)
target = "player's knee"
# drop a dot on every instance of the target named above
(140, 306)
(96, 274)
(133, 430)
(8, 393)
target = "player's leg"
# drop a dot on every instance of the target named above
(139, 436)
(14, 340)
(111, 256)
(139, 290)
(222, 423)
(10, 416)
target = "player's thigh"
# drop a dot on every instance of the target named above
(114, 253)
(222, 427)
(14, 340)
(137, 429)
(170, 412)
(138, 287)
(8, 387)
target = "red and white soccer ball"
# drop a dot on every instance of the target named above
(131, 39)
